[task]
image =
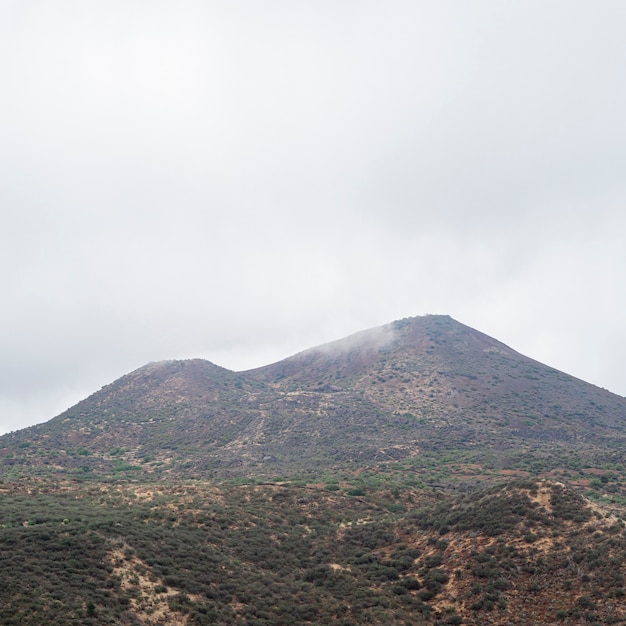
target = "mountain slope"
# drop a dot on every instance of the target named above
(531, 552)
(439, 367)
(451, 386)
(415, 386)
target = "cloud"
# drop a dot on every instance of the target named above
(242, 182)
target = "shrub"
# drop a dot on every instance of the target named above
(585, 602)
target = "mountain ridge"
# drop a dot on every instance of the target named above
(391, 393)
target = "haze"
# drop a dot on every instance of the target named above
(240, 181)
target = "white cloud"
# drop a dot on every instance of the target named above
(244, 181)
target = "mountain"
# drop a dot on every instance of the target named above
(417, 473)
(399, 393)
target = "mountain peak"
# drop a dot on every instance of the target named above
(179, 365)
(421, 342)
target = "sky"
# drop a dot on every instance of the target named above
(239, 180)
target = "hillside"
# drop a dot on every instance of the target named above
(410, 391)
(530, 552)
(457, 386)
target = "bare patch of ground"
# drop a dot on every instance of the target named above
(149, 603)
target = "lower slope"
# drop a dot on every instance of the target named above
(523, 552)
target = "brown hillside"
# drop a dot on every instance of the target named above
(416, 386)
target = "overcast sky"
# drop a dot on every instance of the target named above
(239, 180)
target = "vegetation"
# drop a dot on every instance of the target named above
(199, 553)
